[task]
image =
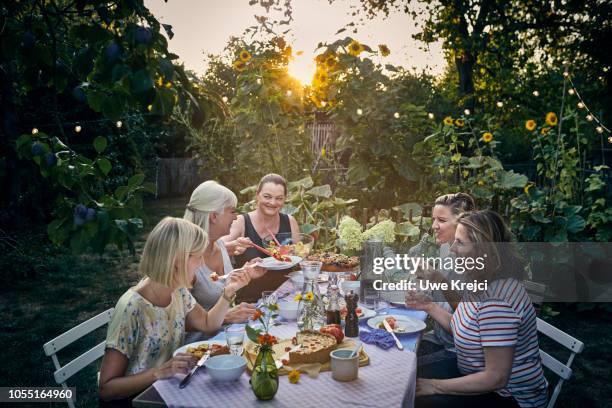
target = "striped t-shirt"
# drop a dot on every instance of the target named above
(502, 317)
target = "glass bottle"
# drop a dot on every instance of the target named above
(311, 309)
(351, 322)
(264, 380)
(333, 308)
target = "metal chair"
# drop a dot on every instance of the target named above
(562, 370)
(62, 374)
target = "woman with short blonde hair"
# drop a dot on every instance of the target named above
(150, 319)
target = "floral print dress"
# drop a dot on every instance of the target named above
(147, 334)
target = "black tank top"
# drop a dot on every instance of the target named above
(249, 232)
(272, 279)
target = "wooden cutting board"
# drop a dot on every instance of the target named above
(311, 369)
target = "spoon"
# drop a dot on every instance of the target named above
(356, 350)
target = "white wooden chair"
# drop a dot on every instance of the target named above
(562, 370)
(62, 374)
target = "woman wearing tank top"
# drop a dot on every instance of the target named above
(213, 208)
(266, 218)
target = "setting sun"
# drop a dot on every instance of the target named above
(302, 67)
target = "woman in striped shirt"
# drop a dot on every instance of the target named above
(495, 334)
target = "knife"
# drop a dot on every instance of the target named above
(279, 362)
(390, 330)
(200, 363)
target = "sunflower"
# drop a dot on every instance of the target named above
(298, 297)
(320, 59)
(551, 119)
(465, 173)
(245, 56)
(309, 296)
(321, 78)
(481, 183)
(527, 187)
(355, 48)
(448, 121)
(544, 131)
(487, 137)
(331, 62)
(288, 51)
(323, 152)
(239, 65)
(384, 50)
(294, 376)
(459, 122)
(530, 125)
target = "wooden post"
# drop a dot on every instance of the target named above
(410, 216)
(364, 217)
(398, 217)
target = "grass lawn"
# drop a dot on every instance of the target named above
(58, 291)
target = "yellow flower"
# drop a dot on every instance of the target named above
(330, 62)
(459, 122)
(323, 152)
(384, 50)
(294, 376)
(245, 55)
(309, 296)
(321, 77)
(487, 137)
(239, 65)
(527, 187)
(288, 51)
(448, 121)
(160, 81)
(168, 85)
(544, 131)
(481, 183)
(530, 125)
(551, 119)
(355, 48)
(150, 108)
(297, 297)
(465, 173)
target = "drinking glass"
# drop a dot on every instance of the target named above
(382, 307)
(235, 339)
(370, 298)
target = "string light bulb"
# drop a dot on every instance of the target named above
(609, 139)
(467, 112)
(224, 99)
(258, 81)
(500, 104)
(430, 115)
(580, 105)
(589, 117)
(323, 103)
(565, 74)
(119, 124)
(34, 131)
(77, 128)
(536, 93)
(571, 91)
(359, 111)
(289, 92)
(396, 115)
(599, 129)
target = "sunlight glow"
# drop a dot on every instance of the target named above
(302, 68)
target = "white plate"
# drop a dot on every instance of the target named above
(196, 344)
(276, 265)
(409, 324)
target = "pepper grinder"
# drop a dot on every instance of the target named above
(351, 322)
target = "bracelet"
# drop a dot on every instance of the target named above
(229, 299)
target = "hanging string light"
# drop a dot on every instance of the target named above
(77, 128)
(359, 111)
(430, 115)
(396, 115)
(119, 124)
(467, 112)
(34, 131)
(536, 93)
(500, 104)
(224, 99)
(289, 92)
(591, 117)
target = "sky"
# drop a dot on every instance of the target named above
(204, 26)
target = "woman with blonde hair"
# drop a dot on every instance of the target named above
(213, 207)
(266, 219)
(150, 319)
(494, 329)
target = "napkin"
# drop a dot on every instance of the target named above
(381, 338)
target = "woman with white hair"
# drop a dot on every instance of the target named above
(213, 208)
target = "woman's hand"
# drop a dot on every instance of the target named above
(425, 386)
(179, 364)
(254, 271)
(237, 279)
(240, 313)
(238, 246)
(418, 301)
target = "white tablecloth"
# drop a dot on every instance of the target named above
(390, 375)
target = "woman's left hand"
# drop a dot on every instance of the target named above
(237, 279)
(254, 271)
(425, 386)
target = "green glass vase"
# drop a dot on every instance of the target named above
(264, 380)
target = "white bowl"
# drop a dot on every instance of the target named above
(226, 367)
(288, 310)
(347, 286)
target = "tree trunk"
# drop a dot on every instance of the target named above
(465, 68)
